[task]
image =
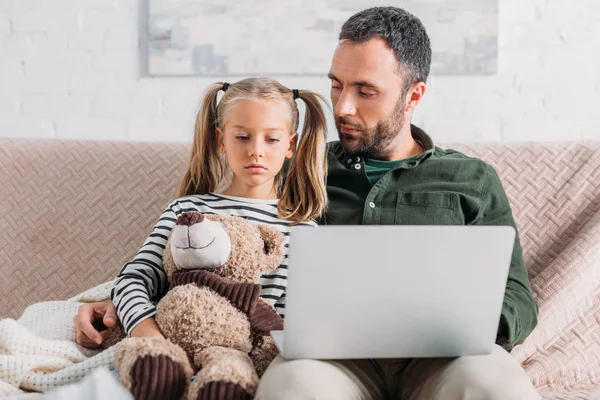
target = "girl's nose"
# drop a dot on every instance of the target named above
(256, 150)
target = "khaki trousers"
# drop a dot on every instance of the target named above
(497, 376)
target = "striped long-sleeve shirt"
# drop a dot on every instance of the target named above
(143, 281)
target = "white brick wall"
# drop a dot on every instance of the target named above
(70, 69)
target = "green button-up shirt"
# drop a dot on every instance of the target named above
(437, 187)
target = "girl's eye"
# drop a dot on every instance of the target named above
(273, 140)
(241, 137)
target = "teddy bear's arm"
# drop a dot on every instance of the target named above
(243, 296)
(264, 318)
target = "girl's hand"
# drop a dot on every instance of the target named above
(146, 328)
(90, 315)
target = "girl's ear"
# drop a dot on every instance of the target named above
(220, 140)
(293, 145)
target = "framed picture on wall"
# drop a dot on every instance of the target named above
(291, 37)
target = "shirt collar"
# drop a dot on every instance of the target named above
(420, 136)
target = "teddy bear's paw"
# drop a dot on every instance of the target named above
(158, 377)
(225, 374)
(153, 368)
(222, 390)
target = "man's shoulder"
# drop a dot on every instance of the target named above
(462, 167)
(451, 154)
(459, 160)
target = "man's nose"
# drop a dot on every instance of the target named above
(345, 104)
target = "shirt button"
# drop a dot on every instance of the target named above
(357, 159)
(349, 161)
(357, 166)
(372, 205)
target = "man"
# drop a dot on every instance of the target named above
(383, 170)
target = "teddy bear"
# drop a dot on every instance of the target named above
(214, 323)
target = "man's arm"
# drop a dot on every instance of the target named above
(519, 310)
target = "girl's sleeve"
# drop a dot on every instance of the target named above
(143, 280)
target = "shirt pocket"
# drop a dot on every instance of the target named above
(428, 208)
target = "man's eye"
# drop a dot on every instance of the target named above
(363, 94)
(335, 88)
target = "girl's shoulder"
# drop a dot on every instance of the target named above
(194, 202)
(259, 211)
(312, 224)
(213, 203)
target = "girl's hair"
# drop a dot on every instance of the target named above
(302, 193)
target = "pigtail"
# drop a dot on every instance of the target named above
(304, 194)
(205, 169)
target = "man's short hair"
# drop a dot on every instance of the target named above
(404, 34)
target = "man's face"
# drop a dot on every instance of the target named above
(367, 96)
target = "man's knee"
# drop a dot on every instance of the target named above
(486, 385)
(307, 379)
(294, 376)
(497, 377)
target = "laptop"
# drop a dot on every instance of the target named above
(394, 291)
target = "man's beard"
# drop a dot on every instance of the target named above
(374, 141)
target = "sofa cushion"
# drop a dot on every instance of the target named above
(73, 212)
(554, 190)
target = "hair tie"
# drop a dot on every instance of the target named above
(296, 93)
(225, 86)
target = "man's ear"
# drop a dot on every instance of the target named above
(414, 96)
(293, 145)
(274, 249)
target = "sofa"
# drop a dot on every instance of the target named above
(73, 212)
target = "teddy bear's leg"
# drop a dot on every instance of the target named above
(225, 374)
(153, 368)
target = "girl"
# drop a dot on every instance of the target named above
(252, 130)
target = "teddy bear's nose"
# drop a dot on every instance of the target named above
(189, 218)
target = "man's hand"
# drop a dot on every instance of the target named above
(102, 315)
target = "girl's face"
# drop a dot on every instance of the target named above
(257, 138)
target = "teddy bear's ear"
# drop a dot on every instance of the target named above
(217, 218)
(274, 249)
